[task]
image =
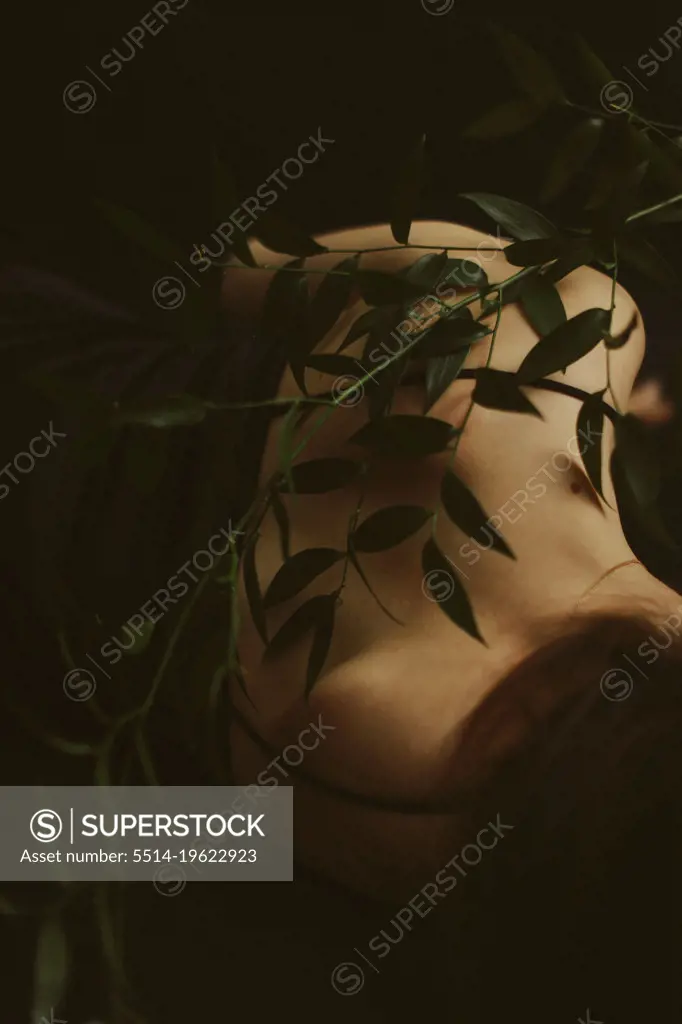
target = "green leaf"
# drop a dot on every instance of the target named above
(465, 511)
(253, 591)
(282, 519)
(405, 435)
(456, 605)
(407, 191)
(638, 458)
(578, 254)
(591, 423)
(324, 631)
(386, 379)
(520, 221)
(596, 72)
(534, 251)
(497, 389)
(280, 235)
(331, 298)
(646, 516)
(645, 258)
(298, 572)
(565, 345)
(173, 411)
(572, 156)
(508, 118)
(618, 340)
(465, 273)
(449, 334)
(542, 305)
(317, 476)
(226, 201)
(284, 324)
(138, 230)
(389, 527)
(381, 289)
(381, 318)
(533, 72)
(51, 969)
(426, 272)
(332, 363)
(305, 618)
(441, 371)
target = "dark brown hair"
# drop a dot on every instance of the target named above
(579, 750)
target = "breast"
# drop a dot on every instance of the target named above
(388, 695)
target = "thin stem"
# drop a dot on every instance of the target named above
(614, 278)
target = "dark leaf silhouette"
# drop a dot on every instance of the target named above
(379, 288)
(407, 190)
(496, 389)
(426, 272)
(389, 526)
(532, 71)
(317, 476)
(380, 318)
(227, 200)
(300, 570)
(534, 251)
(520, 221)
(449, 334)
(565, 345)
(441, 371)
(465, 511)
(333, 363)
(618, 340)
(404, 435)
(441, 581)
(542, 305)
(508, 118)
(589, 429)
(572, 156)
(638, 459)
(297, 625)
(331, 298)
(280, 235)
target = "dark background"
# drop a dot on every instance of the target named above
(250, 83)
